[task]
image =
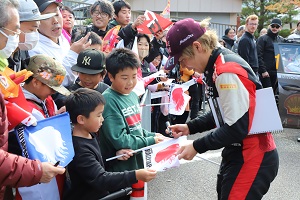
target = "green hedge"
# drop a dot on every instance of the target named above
(285, 32)
(87, 21)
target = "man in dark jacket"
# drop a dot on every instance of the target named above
(266, 56)
(247, 46)
(101, 12)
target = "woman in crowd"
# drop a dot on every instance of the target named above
(296, 33)
(229, 38)
(68, 22)
(143, 46)
(156, 63)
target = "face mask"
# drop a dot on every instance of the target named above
(31, 39)
(11, 45)
(143, 53)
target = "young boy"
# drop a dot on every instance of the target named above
(47, 78)
(122, 17)
(91, 72)
(89, 180)
(122, 126)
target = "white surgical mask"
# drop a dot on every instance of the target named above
(31, 39)
(11, 45)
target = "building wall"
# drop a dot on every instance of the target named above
(225, 6)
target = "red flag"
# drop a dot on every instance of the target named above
(19, 105)
(167, 153)
(16, 104)
(153, 23)
(110, 39)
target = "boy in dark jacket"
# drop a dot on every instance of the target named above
(88, 178)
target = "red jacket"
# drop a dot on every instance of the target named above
(15, 171)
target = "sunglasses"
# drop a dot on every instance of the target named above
(275, 26)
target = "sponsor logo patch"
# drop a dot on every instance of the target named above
(228, 86)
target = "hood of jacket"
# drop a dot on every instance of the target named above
(28, 95)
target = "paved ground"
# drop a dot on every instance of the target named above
(196, 180)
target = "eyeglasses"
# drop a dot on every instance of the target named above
(275, 26)
(102, 14)
(252, 24)
(18, 32)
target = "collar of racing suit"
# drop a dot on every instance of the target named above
(209, 70)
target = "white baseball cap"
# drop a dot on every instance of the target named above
(29, 11)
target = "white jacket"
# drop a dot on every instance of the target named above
(61, 52)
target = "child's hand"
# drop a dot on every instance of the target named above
(145, 174)
(158, 135)
(127, 153)
(159, 138)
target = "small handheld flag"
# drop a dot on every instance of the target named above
(111, 39)
(153, 23)
(50, 140)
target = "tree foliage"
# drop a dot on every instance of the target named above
(287, 8)
(266, 10)
(283, 5)
(87, 21)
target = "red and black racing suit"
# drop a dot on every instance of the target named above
(249, 162)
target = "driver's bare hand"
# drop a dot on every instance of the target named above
(179, 130)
